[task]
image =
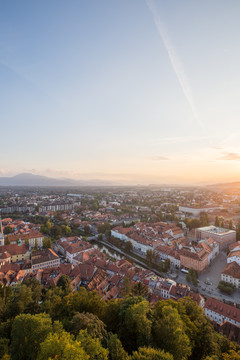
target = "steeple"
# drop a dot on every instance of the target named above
(1, 232)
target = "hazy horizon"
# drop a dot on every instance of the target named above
(136, 92)
(122, 180)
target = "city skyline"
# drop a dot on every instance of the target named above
(132, 92)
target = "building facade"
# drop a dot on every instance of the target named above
(223, 237)
(219, 312)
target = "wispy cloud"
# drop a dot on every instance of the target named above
(159, 158)
(174, 60)
(230, 156)
(180, 139)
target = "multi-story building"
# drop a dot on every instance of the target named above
(234, 256)
(219, 312)
(163, 289)
(167, 252)
(71, 247)
(195, 211)
(138, 242)
(211, 247)
(14, 253)
(59, 206)
(33, 239)
(120, 233)
(179, 291)
(42, 259)
(197, 260)
(144, 237)
(223, 237)
(231, 274)
(17, 208)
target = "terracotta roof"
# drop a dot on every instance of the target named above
(195, 296)
(224, 309)
(178, 291)
(12, 266)
(232, 246)
(14, 249)
(234, 253)
(41, 256)
(122, 230)
(232, 269)
(113, 293)
(115, 279)
(112, 267)
(197, 256)
(86, 271)
(231, 331)
(25, 236)
(155, 298)
(6, 221)
(75, 247)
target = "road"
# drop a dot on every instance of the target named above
(212, 274)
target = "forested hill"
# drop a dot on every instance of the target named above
(60, 324)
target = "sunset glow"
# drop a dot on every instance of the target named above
(134, 92)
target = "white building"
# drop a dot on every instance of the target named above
(234, 256)
(42, 259)
(211, 247)
(72, 246)
(195, 211)
(219, 312)
(120, 233)
(231, 274)
(165, 252)
(138, 242)
(164, 288)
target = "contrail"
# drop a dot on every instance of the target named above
(175, 62)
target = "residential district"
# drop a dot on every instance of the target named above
(167, 242)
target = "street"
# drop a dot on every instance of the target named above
(212, 275)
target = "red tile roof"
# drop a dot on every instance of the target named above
(232, 269)
(224, 309)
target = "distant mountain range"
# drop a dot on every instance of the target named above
(28, 179)
(229, 187)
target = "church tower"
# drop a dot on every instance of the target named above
(1, 233)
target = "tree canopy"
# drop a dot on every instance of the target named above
(43, 324)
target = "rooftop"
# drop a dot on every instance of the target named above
(221, 308)
(216, 230)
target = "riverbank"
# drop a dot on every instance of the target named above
(134, 257)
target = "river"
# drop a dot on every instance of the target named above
(108, 251)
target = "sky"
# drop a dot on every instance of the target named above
(130, 91)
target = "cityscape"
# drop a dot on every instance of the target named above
(158, 242)
(119, 180)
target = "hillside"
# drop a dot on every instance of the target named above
(63, 324)
(28, 179)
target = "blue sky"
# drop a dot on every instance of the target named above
(132, 91)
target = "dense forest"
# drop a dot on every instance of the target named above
(58, 323)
